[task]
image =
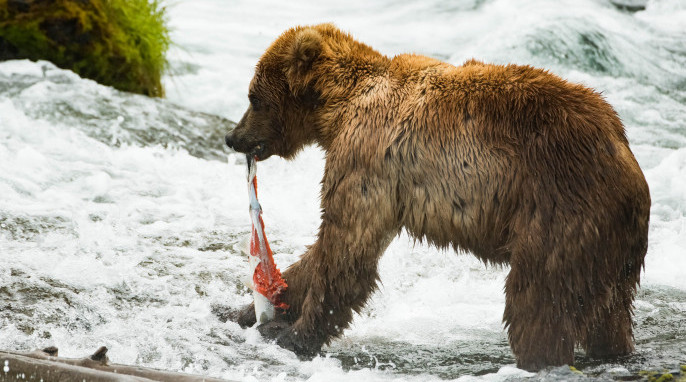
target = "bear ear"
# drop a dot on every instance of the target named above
(307, 46)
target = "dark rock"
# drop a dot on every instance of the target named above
(630, 5)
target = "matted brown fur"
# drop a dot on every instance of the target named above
(509, 162)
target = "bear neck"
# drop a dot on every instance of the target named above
(354, 77)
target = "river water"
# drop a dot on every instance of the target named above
(121, 217)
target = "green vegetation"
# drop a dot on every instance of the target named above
(664, 376)
(120, 43)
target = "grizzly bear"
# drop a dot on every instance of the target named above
(509, 162)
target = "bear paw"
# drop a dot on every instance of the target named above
(289, 338)
(273, 329)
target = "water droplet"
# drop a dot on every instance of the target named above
(331, 312)
(120, 119)
(7, 366)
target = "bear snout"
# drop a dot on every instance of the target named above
(245, 146)
(238, 143)
(229, 139)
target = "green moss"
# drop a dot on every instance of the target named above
(665, 377)
(121, 43)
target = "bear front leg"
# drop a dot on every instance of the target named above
(338, 273)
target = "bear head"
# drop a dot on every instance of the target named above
(281, 118)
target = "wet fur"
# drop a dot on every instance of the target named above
(509, 162)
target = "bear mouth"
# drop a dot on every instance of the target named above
(259, 151)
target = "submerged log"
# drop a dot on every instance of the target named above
(45, 365)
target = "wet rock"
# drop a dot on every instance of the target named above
(115, 118)
(630, 5)
(566, 373)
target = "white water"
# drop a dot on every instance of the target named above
(111, 236)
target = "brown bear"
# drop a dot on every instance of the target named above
(509, 162)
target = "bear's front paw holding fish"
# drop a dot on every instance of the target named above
(288, 337)
(273, 329)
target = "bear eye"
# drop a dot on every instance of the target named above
(255, 102)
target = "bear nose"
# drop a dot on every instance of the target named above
(229, 140)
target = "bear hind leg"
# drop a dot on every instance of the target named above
(610, 328)
(539, 332)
